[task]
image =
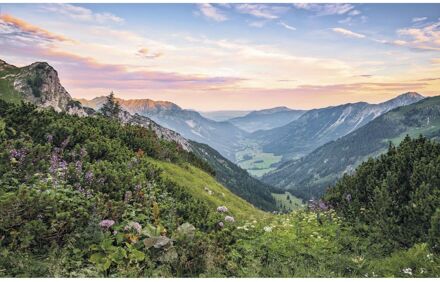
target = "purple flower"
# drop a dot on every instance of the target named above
(18, 155)
(89, 176)
(106, 223)
(78, 166)
(222, 209)
(133, 225)
(319, 205)
(65, 143)
(229, 219)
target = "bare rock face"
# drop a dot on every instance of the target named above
(40, 85)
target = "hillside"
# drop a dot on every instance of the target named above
(311, 175)
(223, 115)
(317, 127)
(235, 178)
(51, 94)
(396, 195)
(222, 136)
(266, 119)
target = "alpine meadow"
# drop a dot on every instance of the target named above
(219, 140)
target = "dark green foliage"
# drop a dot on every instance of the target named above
(392, 199)
(111, 107)
(434, 232)
(61, 175)
(35, 84)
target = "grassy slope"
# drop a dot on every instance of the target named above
(283, 203)
(7, 91)
(195, 180)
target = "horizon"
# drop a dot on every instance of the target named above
(251, 110)
(231, 57)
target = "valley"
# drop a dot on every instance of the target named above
(148, 201)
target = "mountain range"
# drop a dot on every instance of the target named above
(39, 84)
(222, 136)
(309, 150)
(266, 119)
(319, 126)
(310, 176)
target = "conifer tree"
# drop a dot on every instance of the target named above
(111, 107)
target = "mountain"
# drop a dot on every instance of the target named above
(223, 115)
(266, 119)
(317, 127)
(222, 136)
(49, 93)
(310, 176)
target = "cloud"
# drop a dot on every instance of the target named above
(327, 9)
(421, 19)
(257, 24)
(15, 28)
(211, 12)
(82, 14)
(146, 53)
(426, 37)
(269, 12)
(348, 33)
(289, 27)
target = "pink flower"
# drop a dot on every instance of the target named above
(133, 225)
(106, 223)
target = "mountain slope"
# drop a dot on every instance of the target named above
(266, 119)
(51, 94)
(223, 115)
(222, 136)
(317, 127)
(310, 176)
(235, 178)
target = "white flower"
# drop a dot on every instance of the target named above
(267, 228)
(407, 271)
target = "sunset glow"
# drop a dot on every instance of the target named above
(231, 56)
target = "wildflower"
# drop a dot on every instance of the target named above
(229, 219)
(133, 225)
(78, 166)
(89, 176)
(127, 197)
(221, 224)
(348, 197)
(65, 143)
(407, 271)
(106, 223)
(17, 154)
(267, 229)
(222, 209)
(49, 138)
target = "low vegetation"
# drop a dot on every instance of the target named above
(89, 197)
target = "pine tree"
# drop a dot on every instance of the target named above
(111, 107)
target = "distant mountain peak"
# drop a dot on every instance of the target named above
(4, 65)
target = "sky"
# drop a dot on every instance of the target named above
(231, 56)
